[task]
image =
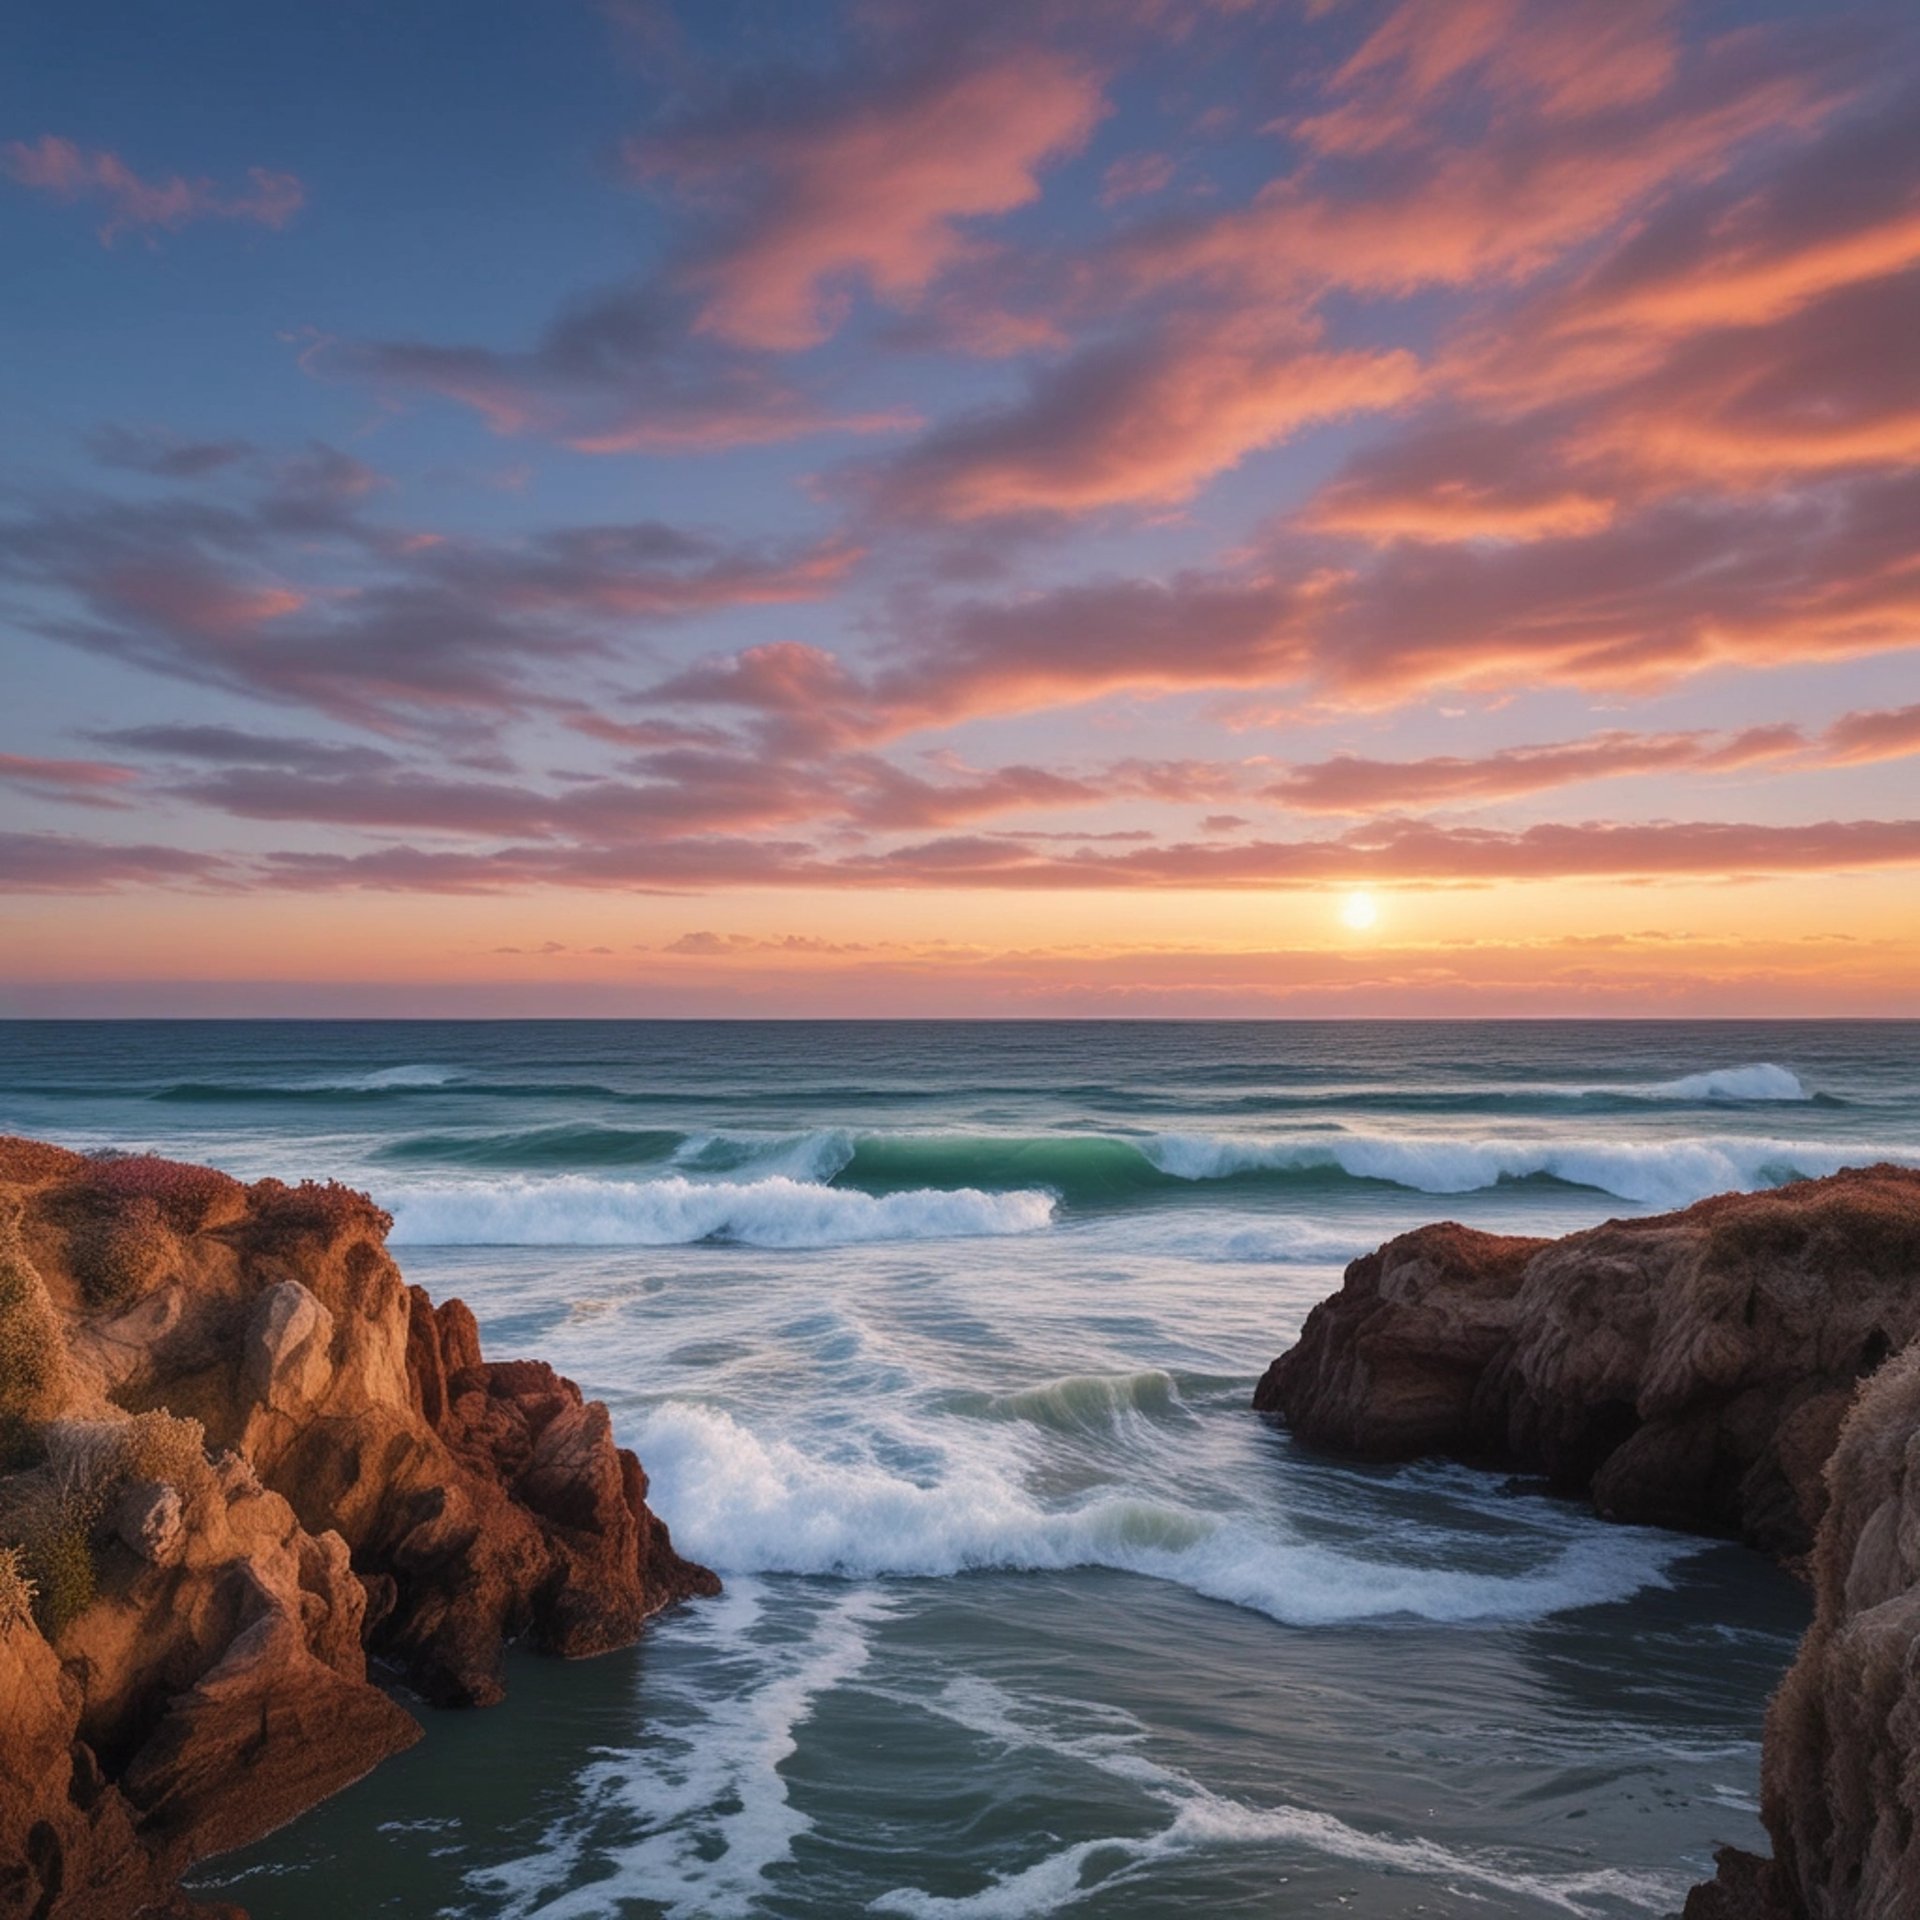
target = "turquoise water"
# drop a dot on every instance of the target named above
(937, 1341)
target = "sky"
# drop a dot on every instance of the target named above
(1023, 507)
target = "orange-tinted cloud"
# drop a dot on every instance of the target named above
(1405, 203)
(55, 165)
(1141, 420)
(1561, 63)
(1864, 736)
(868, 190)
(1391, 852)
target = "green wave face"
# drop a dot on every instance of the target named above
(1084, 1170)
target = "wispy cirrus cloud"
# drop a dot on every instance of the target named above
(243, 590)
(1146, 419)
(615, 372)
(1387, 853)
(137, 203)
(84, 783)
(65, 863)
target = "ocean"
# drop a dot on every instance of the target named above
(937, 1341)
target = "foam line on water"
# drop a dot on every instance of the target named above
(695, 1818)
(743, 1503)
(1202, 1819)
(578, 1211)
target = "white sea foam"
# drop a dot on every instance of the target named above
(698, 1814)
(1204, 1820)
(1669, 1173)
(1762, 1082)
(577, 1210)
(381, 1080)
(744, 1503)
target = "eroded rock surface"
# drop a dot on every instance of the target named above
(1748, 1367)
(239, 1455)
(1688, 1369)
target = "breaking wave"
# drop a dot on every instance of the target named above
(747, 1504)
(685, 1173)
(572, 1210)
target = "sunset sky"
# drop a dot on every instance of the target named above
(979, 508)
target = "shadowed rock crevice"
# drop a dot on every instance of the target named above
(241, 1458)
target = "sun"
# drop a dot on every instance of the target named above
(1360, 911)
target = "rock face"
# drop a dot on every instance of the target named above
(238, 1456)
(1840, 1772)
(1701, 1370)
(1689, 1370)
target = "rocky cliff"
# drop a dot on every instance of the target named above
(239, 1456)
(1701, 1370)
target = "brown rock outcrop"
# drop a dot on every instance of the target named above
(1702, 1370)
(238, 1454)
(1688, 1369)
(1840, 1769)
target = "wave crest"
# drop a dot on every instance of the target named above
(574, 1210)
(1764, 1082)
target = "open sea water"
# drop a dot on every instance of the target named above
(937, 1341)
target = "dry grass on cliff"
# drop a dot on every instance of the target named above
(17, 1590)
(33, 1360)
(89, 1463)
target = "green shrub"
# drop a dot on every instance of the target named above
(89, 1463)
(60, 1564)
(161, 1446)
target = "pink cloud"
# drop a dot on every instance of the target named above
(870, 190)
(1141, 421)
(85, 783)
(1502, 207)
(1392, 852)
(1885, 735)
(1560, 63)
(61, 863)
(57, 166)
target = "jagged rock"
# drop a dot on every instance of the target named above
(288, 1337)
(1703, 1370)
(148, 1521)
(375, 1485)
(1688, 1369)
